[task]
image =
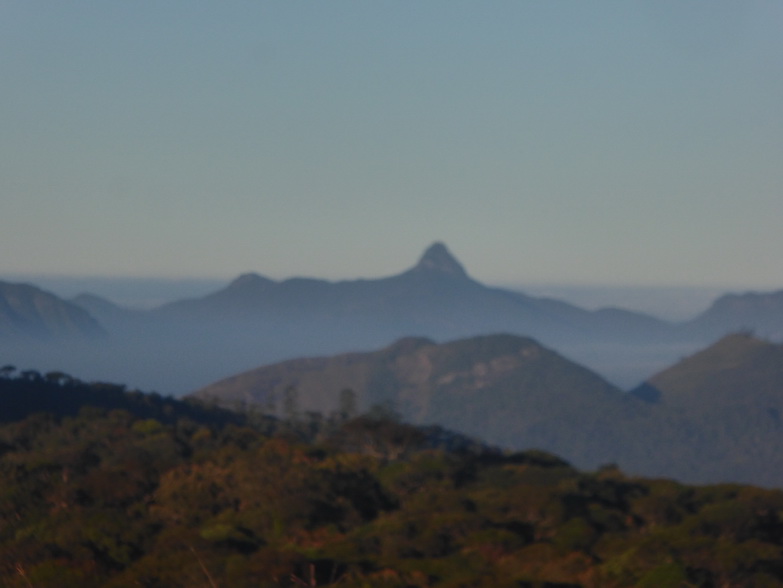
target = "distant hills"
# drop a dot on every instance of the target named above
(759, 312)
(435, 298)
(714, 416)
(504, 389)
(723, 407)
(28, 312)
(740, 369)
(725, 403)
(254, 320)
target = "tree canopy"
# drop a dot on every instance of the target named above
(175, 497)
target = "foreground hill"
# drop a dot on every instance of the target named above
(112, 498)
(29, 313)
(505, 389)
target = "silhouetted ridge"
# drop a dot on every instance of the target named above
(759, 312)
(409, 344)
(28, 311)
(437, 258)
(250, 280)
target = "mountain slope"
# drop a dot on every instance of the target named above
(739, 369)
(113, 317)
(722, 407)
(140, 497)
(505, 389)
(761, 312)
(29, 312)
(713, 417)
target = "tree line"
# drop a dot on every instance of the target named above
(163, 493)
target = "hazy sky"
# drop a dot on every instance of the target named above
(627, 142)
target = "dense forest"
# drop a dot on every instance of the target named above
(100, 486)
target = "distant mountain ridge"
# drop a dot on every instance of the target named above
(29, 312)
(721, 403)
(253, 320)
(760, 312)
(434, 298)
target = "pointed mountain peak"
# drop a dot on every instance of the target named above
(438, 259)
(249, 280)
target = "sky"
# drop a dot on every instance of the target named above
(602, 143)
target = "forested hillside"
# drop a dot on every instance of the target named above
(510, 391)
(712, 417)
(115, 497)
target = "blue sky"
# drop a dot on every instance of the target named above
(544, 142)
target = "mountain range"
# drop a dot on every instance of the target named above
(504, 389)
(182, 345)
(714, 416)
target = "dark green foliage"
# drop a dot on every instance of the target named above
(63, 395)
(112, 498)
